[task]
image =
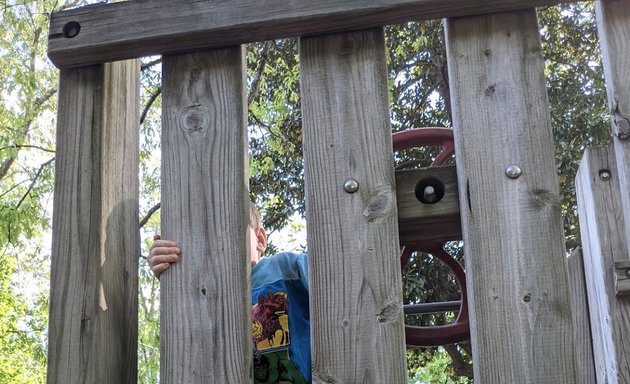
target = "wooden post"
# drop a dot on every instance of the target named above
(205, 298)
(581, 322)
(613, 25)
(604, 242)
(93, 321)
(512, 227)
(355, 278)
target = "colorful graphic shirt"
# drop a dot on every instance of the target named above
(280, 320)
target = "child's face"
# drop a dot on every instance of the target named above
(257, 242)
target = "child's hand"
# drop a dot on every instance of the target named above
(162, 254)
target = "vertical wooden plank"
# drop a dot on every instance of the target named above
(613, 25)
(356, 287)
(205, 298)
(515, 264)
(581, 320)
(93, 320)
(604, 242)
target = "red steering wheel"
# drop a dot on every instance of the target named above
(459, 330)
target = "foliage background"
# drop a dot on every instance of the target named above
(419, 95)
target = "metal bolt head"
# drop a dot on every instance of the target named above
(513, 171)
(429, 194)
(604, 174)
(351, 186)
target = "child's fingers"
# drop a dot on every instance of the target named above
(163, 250)
(163, 243)
(165, 258)
(159, 268)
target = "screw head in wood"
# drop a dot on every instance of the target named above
(513, 171)
(351, 186)
(604, 174)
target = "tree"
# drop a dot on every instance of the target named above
(27, 95)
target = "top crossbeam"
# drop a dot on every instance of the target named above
(109, 32)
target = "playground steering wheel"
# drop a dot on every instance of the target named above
(459, 330)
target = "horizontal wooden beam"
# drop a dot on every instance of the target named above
(109, 32)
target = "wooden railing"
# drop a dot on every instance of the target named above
(519, 296)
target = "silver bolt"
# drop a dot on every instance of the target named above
(604, 174)
(628, 272)
(513, 171)
(429, 194)
(351, 186)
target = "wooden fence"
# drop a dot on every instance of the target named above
(519, 292)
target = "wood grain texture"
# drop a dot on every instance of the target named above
(205, 298)
(356, 287)
(604, 242)
(581, 319)
(142, 28)
(514, 244)
(93, 320)
(418, 221)
(613, 25)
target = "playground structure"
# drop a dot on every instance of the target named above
(522, 325)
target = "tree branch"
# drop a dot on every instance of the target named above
(149, 104)
(150, 64)
(253, 94)
(150, 213)
(461, 367)
(34, 180)
(13, 187)
(28, 146)
(6, 164)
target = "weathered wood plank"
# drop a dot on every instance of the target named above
(356, 287)
(604, 242)
(141, 28)
(515, 265)
(581, 320)
(613, 24)
(418, 221)
(206, 303)
(93, 320)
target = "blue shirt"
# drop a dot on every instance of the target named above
(281, 320)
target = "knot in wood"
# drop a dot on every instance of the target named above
(491, 89)
(194, 119)
(544, 198)
(622, 126)
(195, 75)
(621, 123)
(347, 46)
(390, 313)
(379, 206)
